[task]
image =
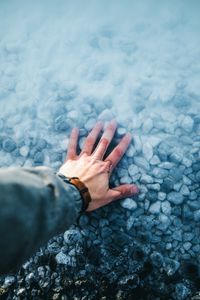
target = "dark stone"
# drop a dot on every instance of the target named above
(39, 157)
(175, 174)
(61, 124)
(152, 195)
(164, 151)
(167, 185)
(8, 145)
(157, 259)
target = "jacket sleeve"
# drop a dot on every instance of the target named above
(35, 205)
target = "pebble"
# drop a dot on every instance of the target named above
(39, 157)
(130, 151)
(62, 124)
(197, 215)
(147, 150)
(62, 258)
(146, 178)
(106, 115)
(188, 236)
(193, 195)
(129, 203)
(187, 124)
(187, 246)
(187, 162)
(166, 165)
(90, 124)
(177, 235)
(137, 143)
(155, 208)
(166, 208)
(147, 125)
(171, 266)
(141, 163)
(24, 151)
(8, 145)
(184, 190)
(175, 197)
(155, 160)
(176, 157)
(159, 173)
(154, 187)
(161, 196)
(133, 170)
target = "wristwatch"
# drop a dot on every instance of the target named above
(84, 192)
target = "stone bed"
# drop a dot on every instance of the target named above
(70, 64)
(145, 247)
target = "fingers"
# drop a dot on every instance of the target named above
(105, 140)
(122, 191)
(71, 153)
(116, 155)
(91, 138)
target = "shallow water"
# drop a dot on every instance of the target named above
(66, 64)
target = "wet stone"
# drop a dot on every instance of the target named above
(171, 266)
(129, 203)
(147, 151)
(141, 163)
(133, 170)
(161, 196)
(8, 145)
(146, 179)
(159, 173)
(155, 208)
(197, 215)
(130, 151)
(175, 198)
(155, 160)
(184, 190)
(166, 207)
(187, 124)
(155, 186)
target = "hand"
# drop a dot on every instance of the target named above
(92, 170)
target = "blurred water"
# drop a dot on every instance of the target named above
(136, 53)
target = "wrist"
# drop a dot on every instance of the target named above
(82, 188)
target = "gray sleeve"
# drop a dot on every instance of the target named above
(35, 205)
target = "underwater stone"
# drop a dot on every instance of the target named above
(166, 208)
(129, 204)
(175, 197)
(161, 196)
(147, 150)
(141, 163)
(133, 170)
(146, 178)
(159, 173)
(155, 208)
(147, 125)
(187, 124)
(8, 145)
(62, 258)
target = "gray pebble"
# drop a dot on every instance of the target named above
(161, 196)
(154, 187)
(141, 163)
(187, 246)
(166, 208)
(130, 151)
(187, 124)
(146, 178)
(155, 208)
(197, 215)
(147, 125)
(184, 190)
(133, 170)
(159, 173)
(62, 258)
(147, 150)
(129, 203)
(155, 160)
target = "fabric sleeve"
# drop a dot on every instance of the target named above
(35, 205)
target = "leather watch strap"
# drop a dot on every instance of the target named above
(82, 189)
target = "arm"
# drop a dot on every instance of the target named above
(35, 206)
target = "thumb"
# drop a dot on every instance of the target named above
(121, 191)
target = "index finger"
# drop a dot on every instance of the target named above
(71, 152)
(116, 155)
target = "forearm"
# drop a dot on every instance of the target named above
(35, 206)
